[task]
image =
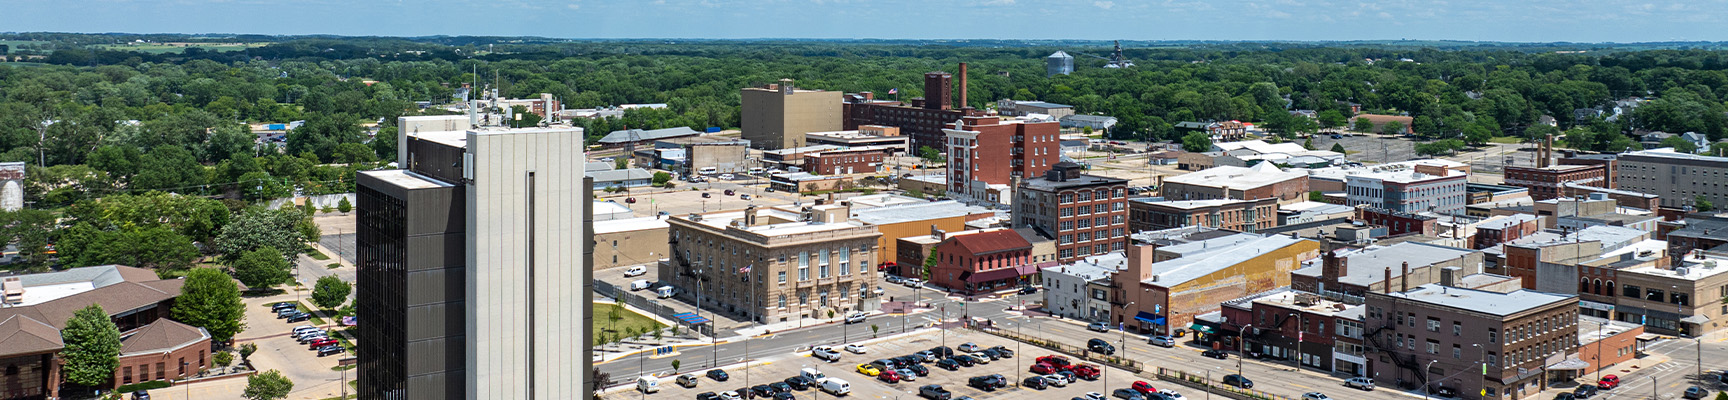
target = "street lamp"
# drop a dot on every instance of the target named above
(1484, 359)
(1242, 347)
(1424, 382)
(1300, 327)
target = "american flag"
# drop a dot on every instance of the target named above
(894, 91)
(744, 269)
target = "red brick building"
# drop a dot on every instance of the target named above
(923, 119)
(1236, 215)
(857, 160)
(1544, 183)
(1086, 214)
(1398, 223)
(1505, 228)
(991, 151)
(161, 351)
(983, 261)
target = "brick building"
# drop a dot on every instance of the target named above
(1161, 296)
(1237, 215)
(1398, 223)
(986, 155)
(923, 120)
(1505, 228)
(1428, 334)
(1545, 182)
(1086, 214)
(1261, 181)
(152, 347)
(983, 261)
(1347, 275)
(856, 160)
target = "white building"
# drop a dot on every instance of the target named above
(1079, 290)
(1411, 190)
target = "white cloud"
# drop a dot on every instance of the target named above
(996, 3)
(573, 6)
(1104, 4)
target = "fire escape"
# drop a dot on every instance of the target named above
(1406, 361)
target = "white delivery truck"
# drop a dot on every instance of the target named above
(666, 292)
(640, 284)
(648, 384)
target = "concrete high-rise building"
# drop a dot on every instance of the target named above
(474, 267)
(777, 116)
(1058, 63)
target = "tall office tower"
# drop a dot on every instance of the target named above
(474, 267)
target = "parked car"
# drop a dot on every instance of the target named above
(868, 369)
(906, 374)
(761, 391)
(1094, 396)
(969, 347)
(636, 271)
(912, 282)
(825, 353)
(1098, 326)
(141, 395)
(1608, 382)
(1565, 396)
(948, 364)
(981, 358)
(785, 396)
(918, 370)
(1084, 371)
(1360, 382)
(934, 392)
(1695, 393)
(687, 380)
(1056, 380)
(1315, 396)
(1143, 387)
(986, 383)
(942, 351)
(286, 312)
(855, 348)
(799, 382)
(894, 279)
(1057, 361)
(729, 395)
(927, 356)
(1043, 369)
(1127, 394)
(779, 387)
(856, 317)
(890, 376)
(745, 196)
(718, 375)
(321, 343)
(278, 307)
(1035, 382)
(1238, 381)
(1028, 290)
(1100, 346)
(297, 317)
(1215, 354)
(964, 360)
(328, 350)
(707, 396)
(1004, 351)
(1584, 391)
(1171, 395)
(1162, 341)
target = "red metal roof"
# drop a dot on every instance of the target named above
(991, 242)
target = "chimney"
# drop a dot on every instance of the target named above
(963, 103)
(1333, 267)
(1404, 280)
(750, 216)
(1139, 262)
(868, 95)
(1451, 277)
(1386, 281)
(786, 86)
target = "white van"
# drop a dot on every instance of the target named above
(756, 171)
(648, 384)
(836, 386)
(666, 292)
(812, 374)
(640, 284)
(636, 271)
(707, 170)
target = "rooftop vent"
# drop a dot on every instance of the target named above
(13, 290)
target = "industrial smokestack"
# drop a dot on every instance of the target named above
(1404, 281)
(963, 104)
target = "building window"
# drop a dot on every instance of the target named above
(804, 298)
(782, 276)
(1631, 291)
(1433, 346)
(782, 301)
(1653, 294)
(1493, 335)
(1457, 351)
(1457, 328)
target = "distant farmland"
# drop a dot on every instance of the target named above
(177, 47)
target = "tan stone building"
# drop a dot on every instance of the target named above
(629, 241)
(774, 264)
(778, 115)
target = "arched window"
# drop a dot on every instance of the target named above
(1610, 289)
(1598, 284)
(1583, 285)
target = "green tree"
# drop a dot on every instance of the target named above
(259, 227)
(675, 365)
(1316, 196)
(154, 247)
(1363, 124)
(1338, 148)
(1331, 119)
(223, 358)
(270, 385)
(1308, 143)
(348, 153)
(929, 264)
(621, 162)
(344, 206)
(210, 300)
(1702, 204)
(92, 349)
(524, 118)
(931, 155)
(1196, 142)
(1680, 144)
(1719, 149)
(262, 268)
(330, 292)
(1392, 128)
(1539, 131)
(171, 169)
(660, 178)
(246, 351)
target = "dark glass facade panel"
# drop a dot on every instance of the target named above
(410, 279)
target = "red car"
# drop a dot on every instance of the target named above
(1608, 382)
(1144, 388)
(1059, 362)
(1043, 369)
(1084, 371)
(321, 343)
(889, 376)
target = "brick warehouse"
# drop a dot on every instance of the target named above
(923, 119)
(856, 160)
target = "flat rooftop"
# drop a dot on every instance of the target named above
(1494, 303)
(1341, 172)
(447, 138)
(921, 211)
(1190, 204)
(1233, 177)
(1093, 267)
(1690, 267)
(1305, 302)
(1591, 329)
(1176, 271)
(1368, 265)
(629, 225)
(1083, 180)
(406, 179)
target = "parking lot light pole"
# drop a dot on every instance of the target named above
(1424, 382)
(1242, 347)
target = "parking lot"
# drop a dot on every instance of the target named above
(777, 368)
(311, 374)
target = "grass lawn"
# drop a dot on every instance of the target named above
(627, 319)
(317, 255)
(308, 310)
(1506, 140)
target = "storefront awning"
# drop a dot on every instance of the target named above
(1200, 328)
(991, 275)
(1149, 318)
(1570, 363)
(1695, 319)
(691, 318)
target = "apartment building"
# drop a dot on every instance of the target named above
(1081, 290)
(1415, 189)
(987, 154)
(1261, 181)
(855, 160)
(1545, 182)
(1086, 214)
(1431, 333)
(774, 264)
(1680, 179)
(1145, 214)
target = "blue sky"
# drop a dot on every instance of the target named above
(1487, 20)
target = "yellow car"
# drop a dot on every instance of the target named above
(868, 369)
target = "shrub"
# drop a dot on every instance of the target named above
(224, 358)
(142, 386)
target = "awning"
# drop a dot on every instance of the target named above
(1695, 319)
(1149, 318)
(1570, 363)
(1200, 328)
(691, 318)
(991, 275)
